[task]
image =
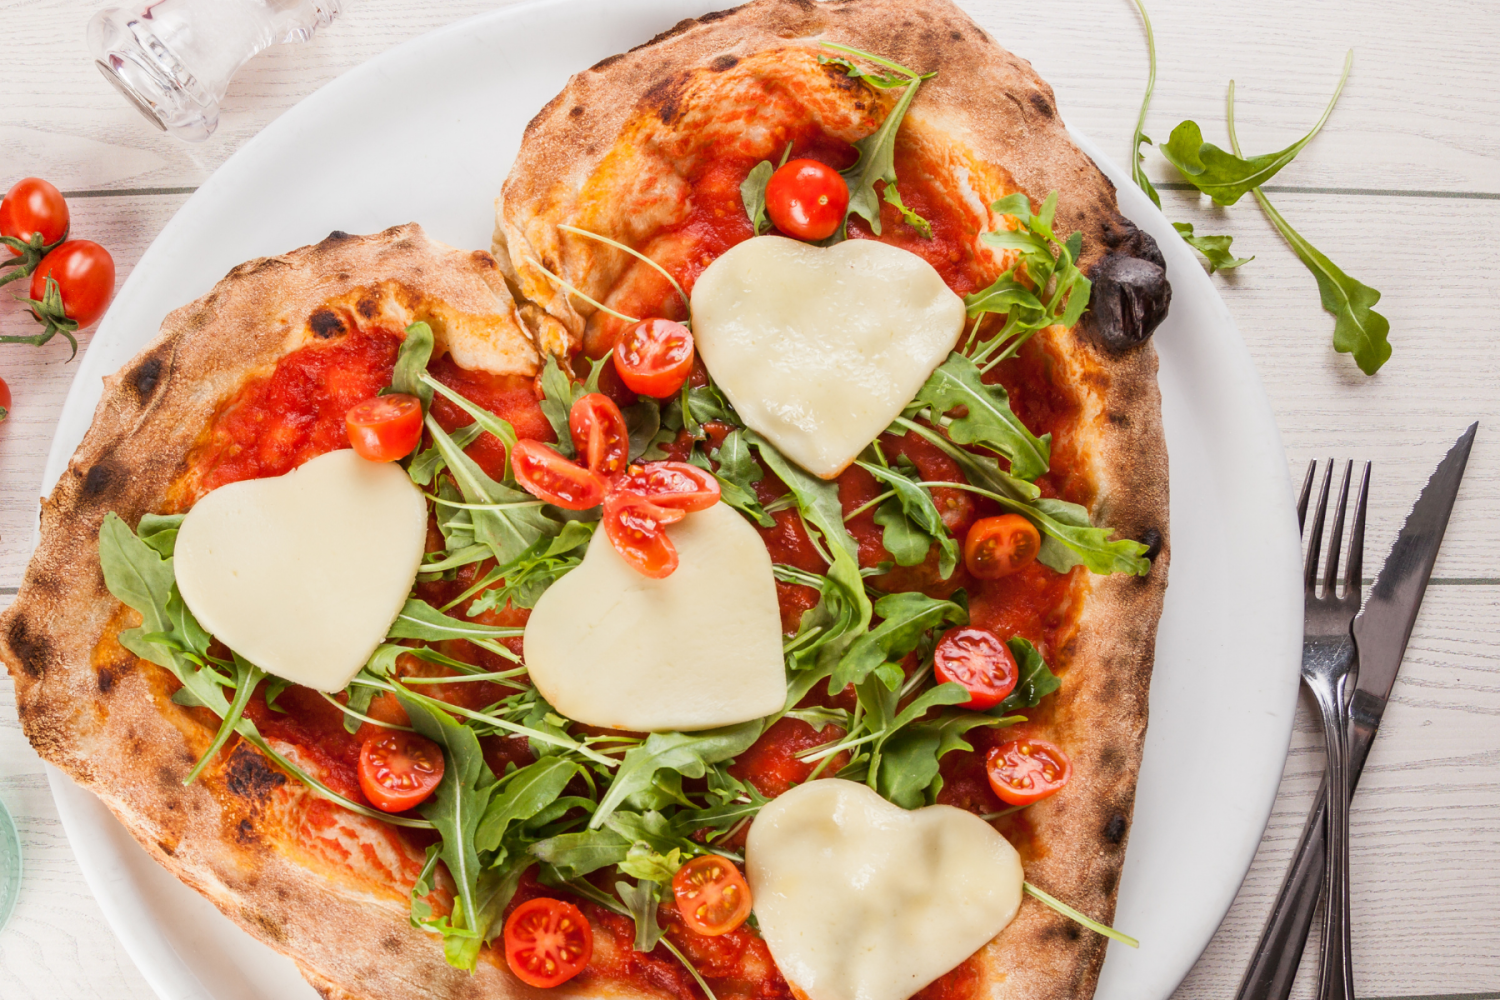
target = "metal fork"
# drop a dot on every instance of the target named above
(1328, 663)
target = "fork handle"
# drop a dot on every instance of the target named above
(1336, 975)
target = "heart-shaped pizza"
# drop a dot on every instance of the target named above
(741, 581)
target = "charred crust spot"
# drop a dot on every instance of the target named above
(145, 377)
(166, 847)
(1114, 830)
(576, 112)
(663, 97)
(368, 306)
(249, 777)
(391, 943)
(245, 832)
(721, 63)
(1119, 419)
(326, 323)
(957, 36)
(609, 61)
(32, 650)
(1108, 881)
(1130, 299)
(1040, 102)
(268, 925)
(343, 276)
(1151, 538)
(98, 479)
(337, 236)
(106, 680)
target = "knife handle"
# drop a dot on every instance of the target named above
(1273, 966)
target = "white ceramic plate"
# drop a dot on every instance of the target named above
(426, 132)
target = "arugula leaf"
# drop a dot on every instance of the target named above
(546, 562)
(753, 195)
(907, 543)
(877, 156)
(429, 461)
(247, 676)
(1036, 682)
(907, 617)
(688, 753)
(642, 900)
(1069, 539)
(456, 805)
(737, 473)
(557, 402)
(523, 794)
(909, 761)
(575, 854)
(642, 422)
(419, 620)
(1215, 249)
(981, 470)
(411, 365)
(989, 421)
(484, 420)
(493, 893)
(884, 81)
(1358, 329)
(912, 522)
(1225, 176)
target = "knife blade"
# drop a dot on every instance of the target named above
(1381, 631)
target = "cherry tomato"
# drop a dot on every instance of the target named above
(711, 895)
(980, 661)
(4, 400)
(544, 473)
(807, 199)
(998, 546)
(637, 529)
(85, 275)
(1024, 771)
(672, 484)
(547, 941)
(598, 430)
(398, 770)
(34, 206)
(655, 357)
(385, 428)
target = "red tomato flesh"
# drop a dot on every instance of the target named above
(637, 529)
(398, 770)
(1024, 771)
(385, 428)
(85, 276)
(598, 430)
(33, 206)
(979, 660)
(672, 484)
(712, 896)
(545, 474)
(807, 199)
(4, 400)
(998, 546)
(547, 942)
(655, 357)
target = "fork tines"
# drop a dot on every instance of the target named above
(1356, 534)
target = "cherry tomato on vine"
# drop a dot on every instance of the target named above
(807, 199)
(547, 475)
(998, 546)
(398, 770)
(4, 400)
(979, 660)
(599, 434)
(33, 206)
(85, 276)
(712, 896)
(547, 941)
(385, 428)
(671, 484)
(637, 529)
(654, 357)
(1024, 771)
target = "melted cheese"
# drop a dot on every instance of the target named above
(819, 349)
(302, 574)
(698, 649)
(859, 899)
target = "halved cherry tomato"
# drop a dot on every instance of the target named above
(998, 546)
(384, 707)
(807, 199)
(4, 400)
(672, 484)
(398, 770)
(637, 529)
(33, 206)
(655, 357)
(547, 941)
(598, 430)
(711, 895)
(979, 660)
(1024, 771)
(85, 276)
(544, 473)
(385, 428)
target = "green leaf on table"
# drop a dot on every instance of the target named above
(687, 753)
(1226, 177)
(989, 421)
(1215, 249)
(1036, 679)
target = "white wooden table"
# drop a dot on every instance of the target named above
(1402, 190)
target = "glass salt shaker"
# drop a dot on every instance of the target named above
(173, 59)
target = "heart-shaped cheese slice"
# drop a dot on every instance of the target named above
(697, 649)
(302, 574)
(820, 348)
(859, 899)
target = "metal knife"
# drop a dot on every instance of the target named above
(1380, 630)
